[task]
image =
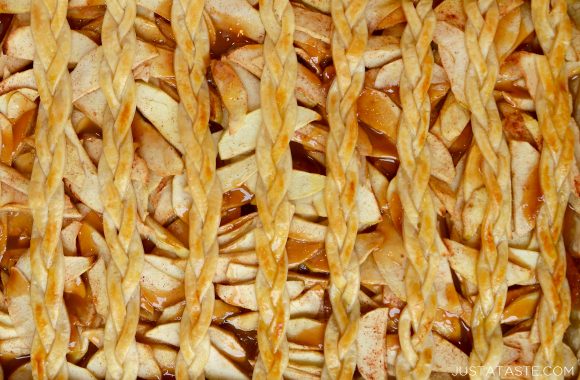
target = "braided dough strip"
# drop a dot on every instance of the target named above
(349, 39)
(419, 221)
(553, 29)
(52, 41)
(117, 192)
(279, 111)
(487, 129)
(200, 152)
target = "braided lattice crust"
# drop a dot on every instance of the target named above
(52, 40)
(279, 112)
(419, 233)
(117, 192)
(349, 38)
(199, 153)
(482, 23)
(553, 29)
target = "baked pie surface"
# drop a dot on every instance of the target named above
(289, 189)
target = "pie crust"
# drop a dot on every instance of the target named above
(338, 189)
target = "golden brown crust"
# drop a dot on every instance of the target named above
(52, 39)
(482, 23)
(288, 189)
(418, 225)
(553, 28)
(190, 63)
(349, 38)
(117, 191)
(279, 111)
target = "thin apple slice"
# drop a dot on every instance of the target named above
(20, 44)
(244, 243)
(524, 342)
(161, 7)
(312, 136)
(232, 93)
(309, 90)
(159, 155)
(451, 43)
(222, 311)
(167, 333)
(171, 313)
(19, 306)
(165, 357)
(302, 229)
(148, 367)
(68, 237)
(309, 304)
(97, 282)
(293, 373)
(378, 111)
(370, 274)
(220, 367)
(81, 175)
(306, 331)
(463, 261)
(441, 162)
(304, 184)
(372, 344)
(390, 257)
(24, 372)
(15, 104)
(251, 85)
(237, 173)
(74, 266)
(237, 15)
(527, 194)
(227, 343)
(245, 321)
(14, 348)
(7, 328)
(18, 81)
(242, 139)
(381, 50)
(15, 6)
(520, 126)
(237, 273)
(315, 24)
(390, 75)
(85, 76)
(244, 295)
(93, 105)
(521, 309)
(161, 282)
(451, 11)
(306, 361)
(225, 260)
(446, 356)
(524, 257)
(161, 110)
(472, 214)
(452, 120)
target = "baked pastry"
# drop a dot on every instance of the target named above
(301, 190)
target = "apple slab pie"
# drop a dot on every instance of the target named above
(305, 189)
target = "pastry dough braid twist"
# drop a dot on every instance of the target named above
(52, 41)
(199, 153)
(279, 112)
(553, 29)
(480, 30)
(117, 192)
(349, 39)
(419, 222)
